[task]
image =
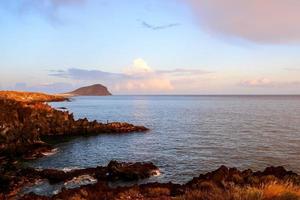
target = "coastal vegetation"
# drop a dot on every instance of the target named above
(30, 97)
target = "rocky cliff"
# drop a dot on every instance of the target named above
(22, 123)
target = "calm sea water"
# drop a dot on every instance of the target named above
(189, 134)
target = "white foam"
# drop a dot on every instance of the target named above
(50, 153)
(80, 180)
(69, 169)
(156, 172)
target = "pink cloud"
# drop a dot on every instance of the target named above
(143, 78)
(264, 82)
(145, 85)
(266, 21)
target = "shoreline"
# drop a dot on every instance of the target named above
(274, 183)
(26, 118)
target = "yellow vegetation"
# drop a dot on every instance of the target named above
(270, 191)
(30, 96)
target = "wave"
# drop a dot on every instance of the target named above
(69, 169)
(79, 181)
(50, 153)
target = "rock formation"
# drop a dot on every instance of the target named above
(93, 90)
(274, 183)
(22, 123)
(12, 181)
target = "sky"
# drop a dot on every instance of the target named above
(151, 46)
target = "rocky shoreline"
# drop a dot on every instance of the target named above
(15, 178)
(274, 183)
(25, 118)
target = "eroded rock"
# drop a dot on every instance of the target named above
(23, 123)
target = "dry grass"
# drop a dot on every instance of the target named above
(269, 191)
(281, 191)
(30, 96)
(130, 194)
(157, 192)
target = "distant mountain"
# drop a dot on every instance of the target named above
(93, 90)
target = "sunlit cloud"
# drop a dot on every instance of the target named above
(143, 78)
(144, 86)
(139, 68)
(267, 21)
(261, 82)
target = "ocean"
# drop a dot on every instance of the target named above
(188, 135)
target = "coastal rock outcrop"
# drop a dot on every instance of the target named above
(23, 123)
(274, 183)
(131, 171)
(12, 181)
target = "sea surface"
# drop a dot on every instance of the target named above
(188, 135)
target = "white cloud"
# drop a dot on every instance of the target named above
(144, 79)
(138, 68)
(145, 86)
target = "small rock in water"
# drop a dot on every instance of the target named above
(62, 108)
(131, 171)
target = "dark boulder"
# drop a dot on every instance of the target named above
(131, 171)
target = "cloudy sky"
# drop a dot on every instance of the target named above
(151, 46)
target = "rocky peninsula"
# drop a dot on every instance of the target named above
(25, 118)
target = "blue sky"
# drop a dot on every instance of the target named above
(150, 47)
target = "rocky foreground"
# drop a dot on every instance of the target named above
(25, 118)
(274, 183)
(14, 178)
